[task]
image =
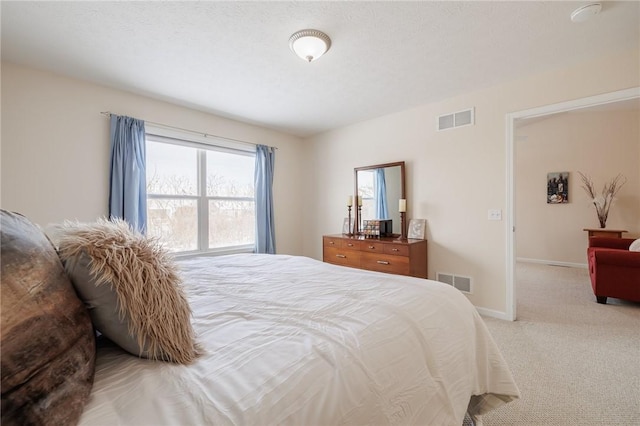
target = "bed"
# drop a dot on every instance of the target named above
(291, 340)
(248, 339)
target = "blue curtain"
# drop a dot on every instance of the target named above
(265, 230)
(128, 184)
(380, 185)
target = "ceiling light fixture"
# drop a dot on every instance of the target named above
(583, 13)
(309, 44)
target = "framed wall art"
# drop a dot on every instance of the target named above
(558, 188)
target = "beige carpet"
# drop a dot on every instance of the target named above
(576, 362)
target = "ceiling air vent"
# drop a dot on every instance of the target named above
(456, 119)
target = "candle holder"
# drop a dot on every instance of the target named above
(403, 228)
(350, 233)
(357, 224)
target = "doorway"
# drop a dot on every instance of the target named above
(512, 120)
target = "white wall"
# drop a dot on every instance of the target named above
(55, 160)
(55, 148)
(600, 144)
(455, 176)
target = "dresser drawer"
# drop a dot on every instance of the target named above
(331, 242)
(351, 244)
(385, 263)
(344, 243)
(396, 249)
(372, 246)
(342, 257)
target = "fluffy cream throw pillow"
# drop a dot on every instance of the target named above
(131, 287)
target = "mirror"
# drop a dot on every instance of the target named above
(381, 186)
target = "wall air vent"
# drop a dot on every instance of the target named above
(461, 283)
(456, 119)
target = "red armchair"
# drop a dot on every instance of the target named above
(614, 270)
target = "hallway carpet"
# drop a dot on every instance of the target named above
(576, 362)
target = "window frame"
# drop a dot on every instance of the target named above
(202, 143)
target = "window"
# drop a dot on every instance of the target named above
(200, 198)
(366, 189)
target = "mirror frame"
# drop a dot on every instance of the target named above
(376, 166)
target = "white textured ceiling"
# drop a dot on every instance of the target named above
(233, 59)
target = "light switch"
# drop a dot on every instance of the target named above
(495, 214)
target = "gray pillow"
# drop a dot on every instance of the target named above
(103, 306)
(131, 288)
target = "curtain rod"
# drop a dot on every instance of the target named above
(109, 114)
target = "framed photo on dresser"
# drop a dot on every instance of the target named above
(417, 228)
(347, 227)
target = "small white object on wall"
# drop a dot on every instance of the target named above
(495, 214)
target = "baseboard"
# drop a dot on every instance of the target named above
(491, 313)
(553, 263)
(502, 315)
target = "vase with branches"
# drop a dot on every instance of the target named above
(602, 201)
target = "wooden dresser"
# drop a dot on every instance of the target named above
(377, 254)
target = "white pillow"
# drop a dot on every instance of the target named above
(635, 246)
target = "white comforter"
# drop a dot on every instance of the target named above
(294, 341)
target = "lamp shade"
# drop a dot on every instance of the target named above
(309, 44)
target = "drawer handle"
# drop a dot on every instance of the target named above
(394, 249)
(341, 256)
(331, 242)
(350, 245)
(383, 262)
(372, 247)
